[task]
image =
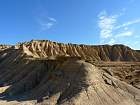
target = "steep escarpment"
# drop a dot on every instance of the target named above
(41, 49)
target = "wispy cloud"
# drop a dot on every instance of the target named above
(52, 19)
(128, 23)
(124, 34)
(45, 23)
(106, 24)
(46, 26)
(112, 41)
(110, 32)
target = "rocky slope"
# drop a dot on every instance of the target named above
(3, 47)
(50, 73)
(41, 49)
(128, 72)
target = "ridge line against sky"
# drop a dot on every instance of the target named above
(71, 21)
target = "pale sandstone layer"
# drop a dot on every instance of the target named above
(99, 52)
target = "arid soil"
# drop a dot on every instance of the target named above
(50, 73)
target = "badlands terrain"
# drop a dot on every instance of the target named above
(42, 72)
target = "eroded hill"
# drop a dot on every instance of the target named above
(41, 49)
(50, 73)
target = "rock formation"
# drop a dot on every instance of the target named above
(50, 73)
(41, 49)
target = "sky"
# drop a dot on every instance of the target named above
(93, 22)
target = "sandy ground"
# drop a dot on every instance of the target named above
(17, 103)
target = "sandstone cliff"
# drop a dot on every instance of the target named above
(41, 49)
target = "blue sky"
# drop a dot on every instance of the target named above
(71, 21)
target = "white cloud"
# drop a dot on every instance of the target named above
(106, 24)
(45, 26)
(112, 41)
(124, 34)
(128, 23)
(125, 28)
(109, 31)
(52, 19)
(46, 23)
